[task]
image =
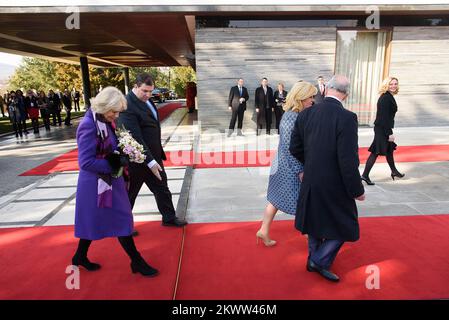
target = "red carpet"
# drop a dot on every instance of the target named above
(222, 261)
(167, 109)
(69, 161)
(33, 263)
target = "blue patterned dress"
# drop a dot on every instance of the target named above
(284, 184)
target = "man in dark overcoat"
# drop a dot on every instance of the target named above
(325, 140)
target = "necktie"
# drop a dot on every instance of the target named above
(151, 107)
(240, 90)
(265, 90)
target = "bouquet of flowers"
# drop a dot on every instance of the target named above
(130, 147)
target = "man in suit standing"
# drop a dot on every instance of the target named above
(141, 118)
(264, 102)
(325, 140)
(238, 95)
(321, 87)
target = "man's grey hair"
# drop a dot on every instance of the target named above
(339, 83)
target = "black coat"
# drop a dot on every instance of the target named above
(386, 110)
(276, 97)
(234, 98)
(325, 140)
(140, 121)
(319, 97)
(383, 125)
(263, 101)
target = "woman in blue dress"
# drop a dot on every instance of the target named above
(284, 181)
(102, 205)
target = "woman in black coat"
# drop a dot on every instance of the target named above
(383, 143)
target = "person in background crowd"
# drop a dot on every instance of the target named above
(76, 99)
(321, 87)
(264, 102)
(15, 116)
(54, 105)
(238, 96)
(32, 110)
(67, 101)
(22, 109)
(42, 102)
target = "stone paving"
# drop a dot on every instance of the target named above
(211, 194)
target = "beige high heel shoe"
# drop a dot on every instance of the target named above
(266, 240)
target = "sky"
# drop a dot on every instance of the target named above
(11, 59)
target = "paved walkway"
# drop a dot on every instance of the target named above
(209, 195)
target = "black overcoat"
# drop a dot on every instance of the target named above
(325, 140)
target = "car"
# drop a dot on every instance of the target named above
(158, 96)
(173, 95)
(165, 93)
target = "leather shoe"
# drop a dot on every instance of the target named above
(328, 275)
(174, 223)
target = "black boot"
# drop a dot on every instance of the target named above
(138, 264)
(80, 257)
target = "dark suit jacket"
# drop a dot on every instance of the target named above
(234, 97)
(325, 140)
(276, 96)
(139, 120)
(386, 110)
(263, 101)
(319, 97)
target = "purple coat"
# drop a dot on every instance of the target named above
(91, 222)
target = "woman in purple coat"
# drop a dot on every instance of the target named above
(102, 205)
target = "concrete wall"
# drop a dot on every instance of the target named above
(280, 54)
(420, 60)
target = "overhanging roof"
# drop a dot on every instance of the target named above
(154, 34)
(107, 39)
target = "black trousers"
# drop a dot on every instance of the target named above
(140, 174)
(68, 117)
(237, 114)
(278, 112)
(77, 105)
(57, 114)
(264, 118)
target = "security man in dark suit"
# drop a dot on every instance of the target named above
(141, 118)
(264, 102)
(325, 141)
(321, 87)
(238, 95)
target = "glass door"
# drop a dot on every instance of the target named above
(362, 57)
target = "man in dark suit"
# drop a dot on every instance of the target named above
(238, 95)
(141, 118)
(325, 140)
(264, 102)
(321, 87)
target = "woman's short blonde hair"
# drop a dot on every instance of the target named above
(386, 83)
(110, 98)
(300, 91)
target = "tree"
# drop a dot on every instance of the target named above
(180, 77)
